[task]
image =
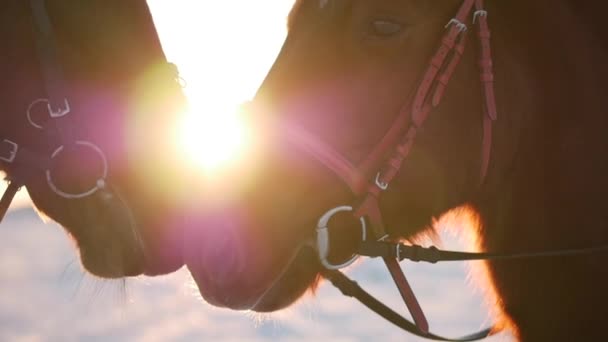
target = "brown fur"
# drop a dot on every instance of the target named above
(124, 97)
(546, 184)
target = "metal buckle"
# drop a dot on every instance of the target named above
(52, 113)
(480, 13)
(460, 25)
(12, 154)
(323, 244)
(99, 184)
(28, 112)
(60, 111)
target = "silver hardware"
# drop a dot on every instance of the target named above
(99, 184)
(323, 244)
(28, 113)
(12, 153)
(52, 113)
(480, 13)
(460, 25)
(380, 184)
(60, 111)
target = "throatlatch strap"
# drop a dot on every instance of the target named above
(350, 288)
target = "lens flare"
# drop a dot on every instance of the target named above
(213, 137)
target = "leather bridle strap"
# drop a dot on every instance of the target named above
(397, 251)
(50, 66)
(350, 288)
(434, 255)
(13, 156)
(8, 196)
(388, 156)
(17, 159)
(487, 80)
(436, 78)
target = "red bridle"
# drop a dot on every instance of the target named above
(388, 155)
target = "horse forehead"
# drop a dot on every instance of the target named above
(323, 3)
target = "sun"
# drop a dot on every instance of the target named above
(212, 136)
(223, 50)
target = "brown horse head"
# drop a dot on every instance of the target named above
(103, 170)
(347, 70)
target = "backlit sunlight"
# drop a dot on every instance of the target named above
(212, 136)
(223, 50)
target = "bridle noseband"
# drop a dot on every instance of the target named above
(18, 159)
(383, 164)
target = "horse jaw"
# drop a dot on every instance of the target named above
(234, 267)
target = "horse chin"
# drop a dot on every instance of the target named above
(111, 263)
(129, 260)
(240, 276)
(234, 264)
(110, 248)
(301, 276)
(264, 297)
(163, 258)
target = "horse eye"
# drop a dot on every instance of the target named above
(385, 28)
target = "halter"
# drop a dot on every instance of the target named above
(383, 164)
(17, 159)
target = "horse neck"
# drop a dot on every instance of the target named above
(549, 142)
(547, 76)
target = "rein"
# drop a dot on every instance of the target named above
(388, 156)
(384, 163)
(432, 255)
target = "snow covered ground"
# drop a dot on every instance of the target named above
(46, 297)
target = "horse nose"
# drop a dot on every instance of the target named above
(215, 247)
(221, 257)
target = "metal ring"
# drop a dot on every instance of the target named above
(380, 184)
(28, 113)
(99, 184)
(323, 244)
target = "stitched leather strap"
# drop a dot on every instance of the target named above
(407, 294)
(389, 154)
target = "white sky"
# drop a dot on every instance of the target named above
(223, 48)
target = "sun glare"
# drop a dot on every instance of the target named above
(223, 50)
(212, 137)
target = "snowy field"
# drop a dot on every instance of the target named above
(46, 297)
